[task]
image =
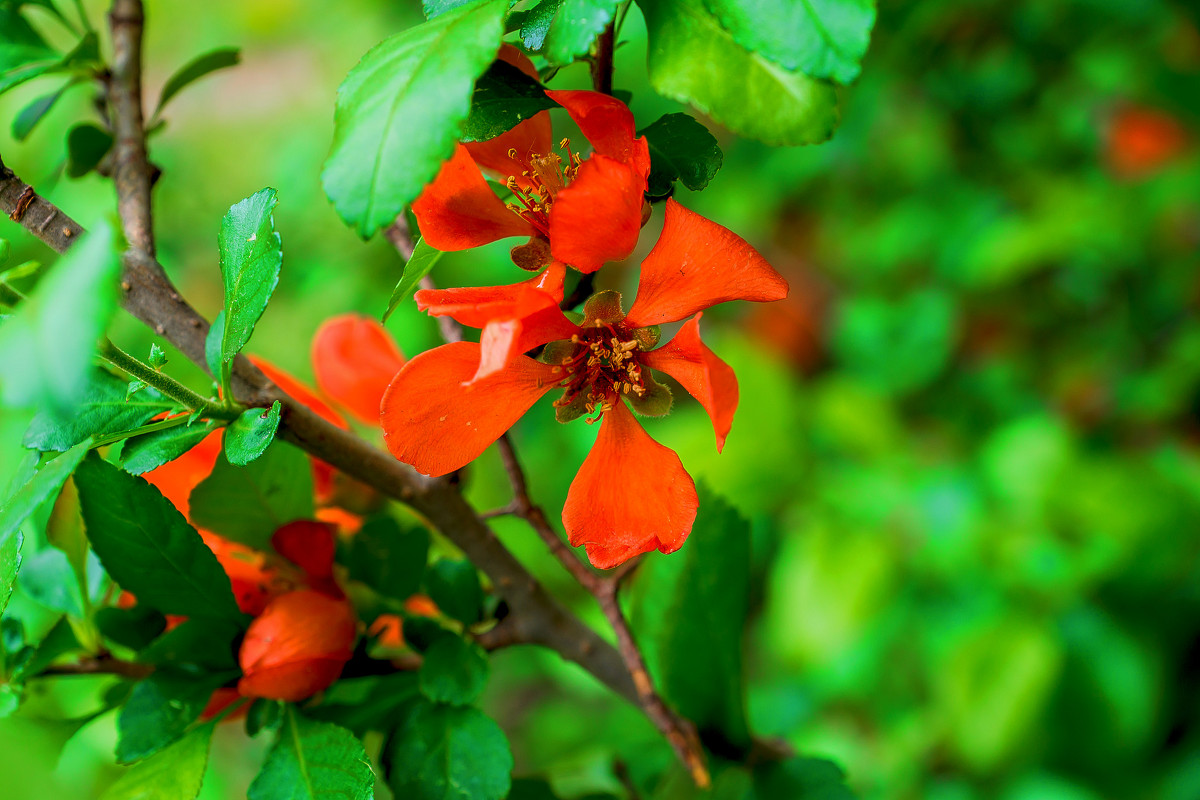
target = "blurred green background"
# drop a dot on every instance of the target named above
(968, 441)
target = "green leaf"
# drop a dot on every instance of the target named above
(435, 8)
(87, 144)
(47, 345)
(423, 259)
(453, 671)
(504, 97)
(251, 433)
(195, 69)
(312, 760)
(148, 547)
(29, 116)
(10, 564)
(694, 60)
(798, 777)
(20, 44)
(389, 558)
(536, 24)
(575, 26)
(380, 160)
(681, 149)
(212, 344)
(251, 256)
(59, 640)
(159, 710)
(34, 60)
(821, 38)
(175, 773)
(681, 605)
(207, 644)
(134, 628)
(441, 752)
(248, 504)
(151, 450)
(103, 409)
(454, 588)
(366, 704)
(50, 578)
(41, 487)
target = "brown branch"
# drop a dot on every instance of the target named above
(102, 665)
(602, 60)
(132, 172)
(538, 618)
(36, 214)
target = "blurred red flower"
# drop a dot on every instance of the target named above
(1143, 140)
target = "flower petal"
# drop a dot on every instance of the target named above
(604, 557)
(299, 392)
(608, 125)
(309, 545)
(630, 495)
(698, 369)
(476, 306)
(697, 264)
(599, 216)
(437, 421)
(177, 478)
(354, 359)
(533, 136)
(459, 210)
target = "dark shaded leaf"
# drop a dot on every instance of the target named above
(441, 752)
(148, 547)
(312, 760)
(151, 450)
(389, 558)
(454, 587)
(248, 504)
(204, 643)
(682, 604)
(159, 710)
(681, 149)
(454, 671)
(87, 144)
(29, 116)
(504, 97)
(134, 627)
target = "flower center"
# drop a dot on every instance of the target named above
(603, 366)
(546, 175)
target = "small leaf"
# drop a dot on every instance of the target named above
(104, 409)
(157, 359)
(694, 60)
(504, 97)
(148, 547)
(251, 256)
(441, 752)
(453, 671)
(699, 595)
(251, 433)
(380, 161)
(47, 345)
(28, 117)
(312, 760)
(87, 144)
(158, 711)
(454, 588)
(821, 38)
(576, 25)
(10, 564)
(248, 504)
(388, 558)
(422, 261)
(134, 628)
(151, 450)
(195, 69)
(175, 773)
(536, 24)
(43, 486)
(681, 149)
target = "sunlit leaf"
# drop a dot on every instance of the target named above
(312, 760)
(442, 752)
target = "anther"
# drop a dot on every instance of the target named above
(512, 153)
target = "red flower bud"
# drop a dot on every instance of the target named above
(297, 647)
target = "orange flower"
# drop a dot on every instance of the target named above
(632, 494)
(582, 212)
(354, 359)
(297, 646)
(1142, 141)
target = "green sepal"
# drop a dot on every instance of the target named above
(572, 410)
(655, 402)
(558, 353)
(603, 308)
(647, 338)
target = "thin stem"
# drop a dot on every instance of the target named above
(165, 383)
(103, 664)
(602, 61)
(132, 172)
